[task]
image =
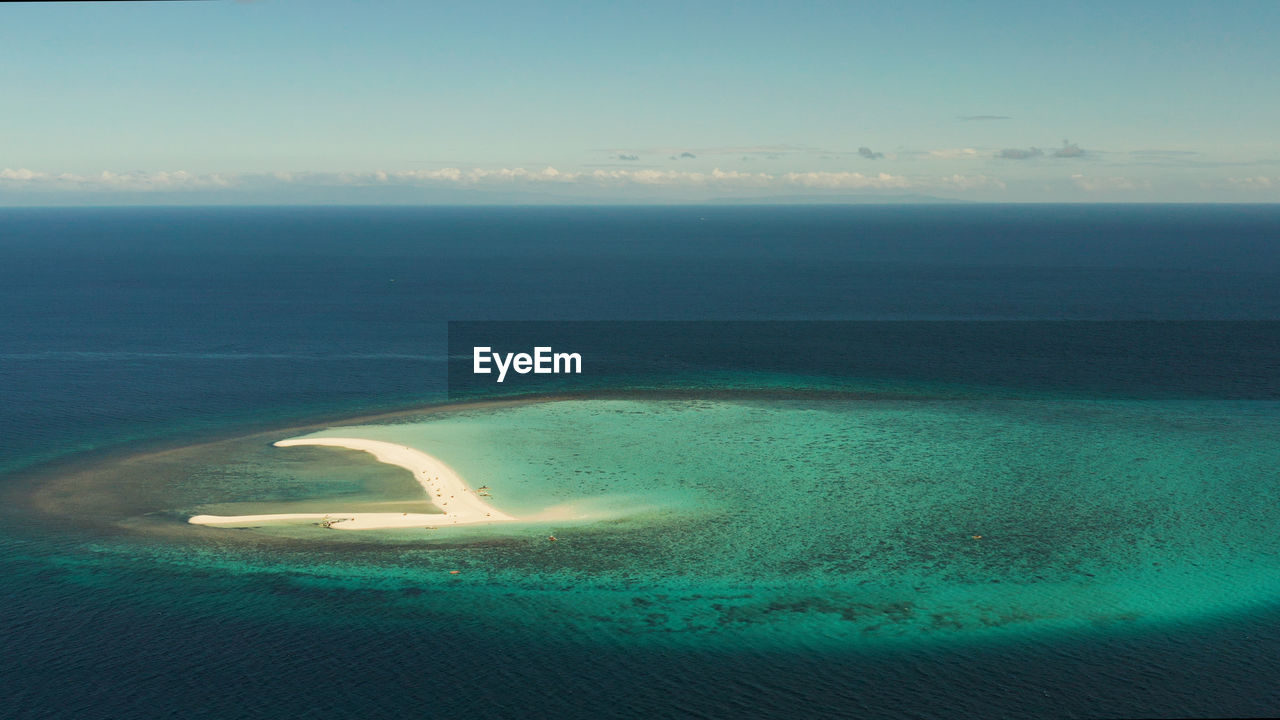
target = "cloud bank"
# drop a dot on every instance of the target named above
(487, 178)
(108, 180)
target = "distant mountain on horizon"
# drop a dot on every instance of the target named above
(910, 199)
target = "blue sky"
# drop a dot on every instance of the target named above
(638, 102)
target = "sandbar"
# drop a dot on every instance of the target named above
(459, 504)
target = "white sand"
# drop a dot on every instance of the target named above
(459, 504)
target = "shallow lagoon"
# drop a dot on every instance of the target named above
(845, 522)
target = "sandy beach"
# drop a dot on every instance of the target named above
(459, 504)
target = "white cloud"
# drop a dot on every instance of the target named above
(1100, 184)
(955, 153)
(1252, 183)
(846, 180)
(19, 174)
(972, 182)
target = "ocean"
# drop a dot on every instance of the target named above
(1041, 484)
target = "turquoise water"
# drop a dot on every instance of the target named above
(838, 522)
(132, 334)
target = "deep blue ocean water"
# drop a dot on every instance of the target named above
(135, 328)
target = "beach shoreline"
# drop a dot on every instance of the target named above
(458, 502)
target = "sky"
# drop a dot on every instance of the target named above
(311, 101)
